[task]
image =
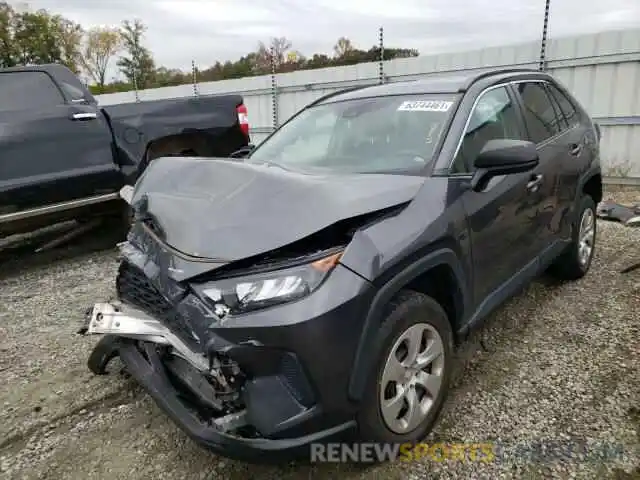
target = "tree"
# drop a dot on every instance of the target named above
(343, 47)
(138, 67)
(69, 37)
(319, 60)
(100, 45)
(262, 60)
(391, 53)
(31, 38)
(294, 61)
(7, 50)
(34, 38)
(168, 77)
(278, 48)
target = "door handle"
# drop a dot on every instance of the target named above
(84, 116)
(534, 183)
(575, 149)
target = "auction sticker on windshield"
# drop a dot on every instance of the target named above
(425, 106)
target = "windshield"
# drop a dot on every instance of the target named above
(380, 134)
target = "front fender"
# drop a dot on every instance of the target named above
(370, 344)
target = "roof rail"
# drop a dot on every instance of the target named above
(491, 73)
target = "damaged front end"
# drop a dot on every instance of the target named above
(145, 344)
(244, 331)
(236, 411)
(247, 393)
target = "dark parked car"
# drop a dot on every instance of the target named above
(63, 157)
(318, 288)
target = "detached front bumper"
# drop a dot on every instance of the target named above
(212, 437)
(134, 329)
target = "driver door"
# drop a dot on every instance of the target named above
(501, 218)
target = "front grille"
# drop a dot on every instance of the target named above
(134, 288)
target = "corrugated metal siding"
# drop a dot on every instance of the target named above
(602, 70)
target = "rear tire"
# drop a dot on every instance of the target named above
(575, 261)
(416, 332)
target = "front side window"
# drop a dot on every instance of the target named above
(543, 122)
(367, 135)
(28, 90)
(494, 117)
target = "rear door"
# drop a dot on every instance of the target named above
(546, 128)
(579, 141)
(53, 148)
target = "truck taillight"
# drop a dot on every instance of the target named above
(243, 119)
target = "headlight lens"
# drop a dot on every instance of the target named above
(244, 294)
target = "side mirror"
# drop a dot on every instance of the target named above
(503, 157)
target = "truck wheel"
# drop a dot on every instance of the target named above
(411, 378)
(575, 261)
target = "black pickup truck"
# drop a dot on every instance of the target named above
(63, 157)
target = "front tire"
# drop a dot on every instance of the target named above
(411, 380)
(575, 261)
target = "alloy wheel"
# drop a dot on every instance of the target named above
(412, 378)
(586, 236)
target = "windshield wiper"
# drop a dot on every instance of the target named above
(243, 152)
(271, 163)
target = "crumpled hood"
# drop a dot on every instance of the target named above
(228, 210)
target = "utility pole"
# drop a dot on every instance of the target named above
(135, 86)
(381, 61)
(274, 89)
(543, 44)
(194, 77)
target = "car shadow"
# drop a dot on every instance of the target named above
(22, 253)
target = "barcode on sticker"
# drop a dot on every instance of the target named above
(425, 106)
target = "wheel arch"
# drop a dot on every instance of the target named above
(176, 144)
(449, 291)
(590, 183)
(592, 186)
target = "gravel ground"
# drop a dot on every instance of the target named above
(559, 363)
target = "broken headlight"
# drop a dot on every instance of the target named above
(243, 294)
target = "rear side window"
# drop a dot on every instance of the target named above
(28, 90)
(543, 122)
(569, 111)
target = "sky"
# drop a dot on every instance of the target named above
(206, 31)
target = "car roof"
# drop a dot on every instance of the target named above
(440, 83)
